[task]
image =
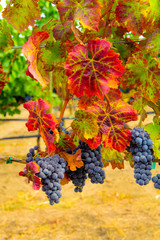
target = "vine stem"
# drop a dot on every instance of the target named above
(72, 135)
(76, 34)
(64, 107)
(108, 102)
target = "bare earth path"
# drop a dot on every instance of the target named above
(119, 209)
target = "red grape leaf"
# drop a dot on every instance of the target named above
(64, 143)
(74, 161)
(31, 50)
(94, 142)
(20, 14)
(111, 123)
(3, 79)
(38, 119)
(84, 101)
(29, 171)
(85, 124)
(128, 157)
(92, 69)
(87, 11)
(143, 71)
(114, 94)
(61, 32)
(6, 41)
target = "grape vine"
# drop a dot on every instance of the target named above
(106, 56)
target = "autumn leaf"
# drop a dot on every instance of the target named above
(38, 119)
(62, 32)
(31, 50)
(130, 13)
(3, 79)
(20, 14)
(87, 11)
(94, 142)
(6, 41)
(29, 171)
(117, 164)
(111, 123)
(85, 124)
(64, 143)
(74, 161)
(60, 80)
(84, 101)
(143, 71)
(92, 69)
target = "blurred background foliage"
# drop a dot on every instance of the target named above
(22, 88)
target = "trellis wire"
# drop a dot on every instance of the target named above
(71, 44)
(5, 159)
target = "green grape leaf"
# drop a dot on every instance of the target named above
(20, 14)
(6, 41)
(85, 124)
(143, 71)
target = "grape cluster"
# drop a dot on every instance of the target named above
(52, 170)
(78, 178)
(141, 148)
(92, 162)
(156, 180)
(31, 154)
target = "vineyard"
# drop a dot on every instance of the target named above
(84, 75)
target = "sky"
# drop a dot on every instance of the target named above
(3, 4)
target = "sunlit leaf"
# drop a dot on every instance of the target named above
(20, 14)
(31, 50)
(85, 124)
(92, 69)
(39, 119)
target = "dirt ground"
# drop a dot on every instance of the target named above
(119, 209)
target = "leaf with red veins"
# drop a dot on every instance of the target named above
(3, 79)
(130, 13)
(38, 119)
(84, 101)
(20, 14)
(29, 171)
(111, 123)
(114, 94)
(91, 69)
(64, 143)
(87, 11)
(31, 50)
